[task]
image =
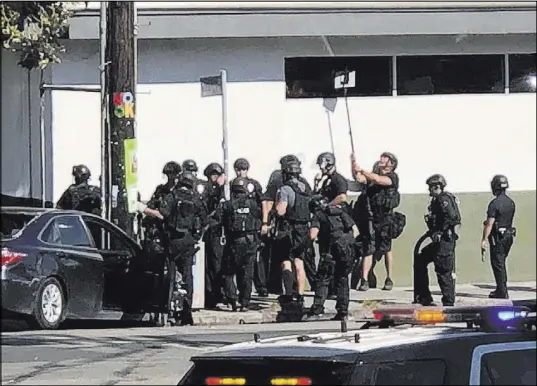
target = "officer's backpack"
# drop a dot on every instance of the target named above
(243, 218)
(86, 198)
(186, 210)
(397, 225)
(457, 220)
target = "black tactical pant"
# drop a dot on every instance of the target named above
(309, 264)
(260, 270)
(272, 255)
(184, 249)
(442, 254)
(213, 268)
(336, 264)
(324, 248)
(239, 261)
(500, 246)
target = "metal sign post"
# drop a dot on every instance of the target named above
(330, 106)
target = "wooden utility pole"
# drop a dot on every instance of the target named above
(121, 84)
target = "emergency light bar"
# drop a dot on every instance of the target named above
(491, 318)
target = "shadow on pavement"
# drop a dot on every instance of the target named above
(509, 288)
(15, 325)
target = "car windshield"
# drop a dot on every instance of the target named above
(13, 223)
(262, 371)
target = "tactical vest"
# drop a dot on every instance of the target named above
(455, 203)
(300, 212)
(435, 218)
(387, 199)
(85, 198)
(243, 218)
(335, 220)
(185, 211)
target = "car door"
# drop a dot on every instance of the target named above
(68, 250)
(507, 363)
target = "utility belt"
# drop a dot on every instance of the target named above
(502, 232)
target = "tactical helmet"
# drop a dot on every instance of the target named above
(292, 169)
(190, 165)
(81, 172)
(187, 179)
(288, 158)
(326, 160)
(317, 202)
(172, 168)
(213, 168)
(436, 179)
(240, 185)
(499, 182)
(241, 164)
(392, 158)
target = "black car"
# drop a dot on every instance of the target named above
(493, 346)
(59, 264)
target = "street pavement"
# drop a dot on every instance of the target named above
(115, 353)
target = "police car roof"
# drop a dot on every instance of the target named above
(338, 343)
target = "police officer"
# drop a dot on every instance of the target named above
(255, 191)
(332, 185)
(442, 221)
(191, 166)
(213, 237)
(382, 196)
(81, 195)
(498, 231)
(183, 214)
(271, 254)
(241, 217)
(337, 230)
(292, 229)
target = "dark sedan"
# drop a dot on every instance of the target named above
(59, 264)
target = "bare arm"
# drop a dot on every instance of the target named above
(487, 228)
(267, 207)
(314, 232)
(377, 179)
(281, 208)
(338, 200)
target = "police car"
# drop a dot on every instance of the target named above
(402, 346)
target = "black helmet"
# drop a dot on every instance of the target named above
(326, 160)
(436, 179)
(317, 202)
(187, 179)
(241, 164)
(171, 168)
(292, 169)
(392, 158)
(288, 158)
(213, 168)
(240, 185)
(190, 165)
(81, 172)
(499, 182)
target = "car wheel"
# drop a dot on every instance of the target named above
(49, 308)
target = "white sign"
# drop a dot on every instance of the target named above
(345, 80)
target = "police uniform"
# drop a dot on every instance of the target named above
(183, 214)
(214, 248)
(334, 225)
(442, 220)
(81, 195)
(241, 217)
(502, 209)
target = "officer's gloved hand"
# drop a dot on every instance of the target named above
(436, 237)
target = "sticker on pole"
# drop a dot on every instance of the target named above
(345, 79)
(123, 105)
(131, 173)
(211, 86)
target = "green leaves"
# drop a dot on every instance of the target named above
(34, 29)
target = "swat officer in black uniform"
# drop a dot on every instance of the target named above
(183, 214)
(338, 231)
(332, 185)
(81, 195)
(442, 221)
(382, 196)
(292, 230)
(498, 231)
(241, 217)
(272, 251)
(213, 237)
(191, 166)
(255, 191)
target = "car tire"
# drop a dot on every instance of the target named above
(49, 309)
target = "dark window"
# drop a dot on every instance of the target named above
(313, 77)
(262, 371)
(116, 241)
(12, 223)
(522, 74)
(429, 372)
(450, 74)
(508, 368)
(66, 230)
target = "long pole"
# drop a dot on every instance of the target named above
(348, 119)
(30, 118)
(104, 107)
(42, 143)
(223, 76)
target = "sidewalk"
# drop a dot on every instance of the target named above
(362, 303)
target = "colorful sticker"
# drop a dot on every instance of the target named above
(123, 105)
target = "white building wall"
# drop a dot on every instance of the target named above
(21, 152)
(468, 138)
